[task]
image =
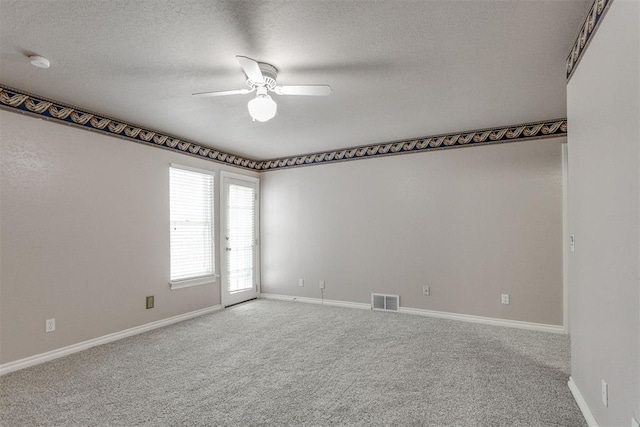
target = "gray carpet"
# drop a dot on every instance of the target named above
(287, 363)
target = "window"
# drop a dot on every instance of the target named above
(191, 227)
(241, 223)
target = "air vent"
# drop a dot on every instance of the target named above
(384, 302)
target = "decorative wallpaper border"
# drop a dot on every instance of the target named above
(44, 108)
(16, 100)
(536, 130)
(596, 13)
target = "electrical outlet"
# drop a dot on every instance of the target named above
(150, 303)
(505, 298)
(604, 392)
(321, 284)
(50, 325)
(572, 243)
(426, 290)
(300, 282)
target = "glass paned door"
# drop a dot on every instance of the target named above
(240, 239)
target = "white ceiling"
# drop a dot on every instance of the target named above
(398, 69)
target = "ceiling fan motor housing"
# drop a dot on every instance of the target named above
(269, 76)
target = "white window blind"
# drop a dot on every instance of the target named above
(191, 221)
(242, 237)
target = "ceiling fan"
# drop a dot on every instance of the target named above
(261, 78)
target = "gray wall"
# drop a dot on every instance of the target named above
(84, 232)
(471, 223)
(604, 140)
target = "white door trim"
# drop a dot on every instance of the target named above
(565, 237)
(224, 175)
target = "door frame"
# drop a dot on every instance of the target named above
(565, 237)
(223, 226)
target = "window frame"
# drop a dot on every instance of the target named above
(207, 279)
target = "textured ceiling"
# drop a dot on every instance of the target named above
(398, 69)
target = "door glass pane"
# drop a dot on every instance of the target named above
(240, 237)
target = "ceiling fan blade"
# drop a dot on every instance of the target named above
(224, 92)
(251, 68)
(310, 90)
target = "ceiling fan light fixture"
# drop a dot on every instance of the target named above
(262, 108)
(261, 78)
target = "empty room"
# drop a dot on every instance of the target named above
(320, 212)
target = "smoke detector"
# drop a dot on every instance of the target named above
(39, 61)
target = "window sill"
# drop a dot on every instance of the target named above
(198, 281)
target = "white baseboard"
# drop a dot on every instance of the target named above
(485, 320)
(429, 313)
(74, 348)
(582, 404)
(334, 303)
